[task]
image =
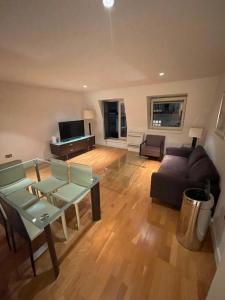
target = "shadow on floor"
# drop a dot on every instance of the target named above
(38, 283)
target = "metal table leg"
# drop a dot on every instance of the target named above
(51, 247)
(95, 202)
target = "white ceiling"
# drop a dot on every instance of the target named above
(69, 43)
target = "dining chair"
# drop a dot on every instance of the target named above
(4, 222)
(35, 206)
(21, 199)
(81, 178)
(60, 177)
(25, 228)
(13, 177)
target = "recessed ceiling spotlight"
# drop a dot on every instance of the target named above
(108, 3)
(161, 74)
(84, 86)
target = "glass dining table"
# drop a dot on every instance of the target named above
(36, 170)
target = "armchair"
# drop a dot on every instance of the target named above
(153, 146)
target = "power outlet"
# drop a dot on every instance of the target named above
(8, 155)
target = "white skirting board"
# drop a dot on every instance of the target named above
(217, 253)
(133, 148)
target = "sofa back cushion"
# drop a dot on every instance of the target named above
(198, 153)
(204, 170)
(154, 140)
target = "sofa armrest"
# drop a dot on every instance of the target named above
(182, 151)
(169, 188)
(162, 148)
(144, 142)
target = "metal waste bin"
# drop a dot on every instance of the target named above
(194, 218)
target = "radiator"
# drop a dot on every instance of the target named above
(134, 139)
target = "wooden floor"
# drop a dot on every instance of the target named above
(132, 253)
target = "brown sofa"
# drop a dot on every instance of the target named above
(180, 169)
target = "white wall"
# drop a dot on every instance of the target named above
(29, 116)
(217, 288)
(201, 95)
(216, 148)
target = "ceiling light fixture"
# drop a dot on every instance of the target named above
(108, 3)
(84, 86)
(161, 74)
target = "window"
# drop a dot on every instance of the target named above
(115, 124)
(166, 112)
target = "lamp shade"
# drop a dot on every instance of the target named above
(88, 114)
(195, 132)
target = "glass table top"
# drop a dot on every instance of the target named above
(124, 169)
(37, 170)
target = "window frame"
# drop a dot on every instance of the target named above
(120, 102)
(170, 99)
(221, 115)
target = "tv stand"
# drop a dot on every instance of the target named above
(72, 147)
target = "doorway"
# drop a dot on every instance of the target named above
(115, 122)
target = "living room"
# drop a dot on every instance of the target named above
(60, 62)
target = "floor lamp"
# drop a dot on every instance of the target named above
(195, 133)
(88, 115)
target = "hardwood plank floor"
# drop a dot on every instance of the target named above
(132, 253)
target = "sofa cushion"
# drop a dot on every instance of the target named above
(198, 153)
(174, 165)
(203, 170)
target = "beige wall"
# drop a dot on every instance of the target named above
(216, 149)
(201, 95)
(29, 116)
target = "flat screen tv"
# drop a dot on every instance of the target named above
(71, 129)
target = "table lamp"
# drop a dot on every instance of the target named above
(195, 133)
(88, 115)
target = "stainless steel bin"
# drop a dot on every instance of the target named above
(194, 218)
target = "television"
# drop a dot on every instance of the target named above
(71, 129)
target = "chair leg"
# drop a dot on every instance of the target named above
(63, 218)
(13, 238)
(77, 214)
(31, 257)
(34, 192)
(51, 199)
